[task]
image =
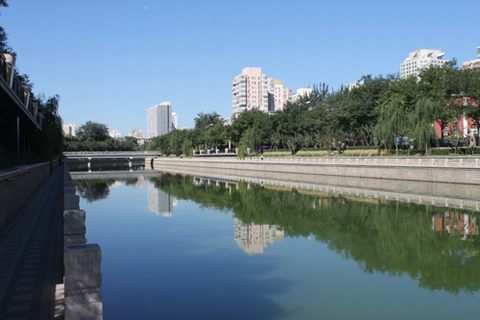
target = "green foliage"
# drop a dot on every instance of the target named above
(206, 120)
(48, 143)
(187, 148)
(393, 120)
(250, 139)
(93, 131)
(75, 144)
(423, 118)
(242, 151)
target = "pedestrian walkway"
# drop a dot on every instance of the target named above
(31, 255)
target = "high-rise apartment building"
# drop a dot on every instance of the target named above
(419, 60)
(174, 120)
(301, 92)
(473, 64)
(281, 95)
(69, 130)
(252, 90)
(136, 133)
(159, 119)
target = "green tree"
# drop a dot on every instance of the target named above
(423, 117)
(251, 139)
(206, 120)
(392, 121)
(49, 142)
(93, 131)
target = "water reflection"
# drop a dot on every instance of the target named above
(94, 190)
(455, 224)
(160, 202)
(426, 243)
(382, 236)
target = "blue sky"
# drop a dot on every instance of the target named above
(109, 60)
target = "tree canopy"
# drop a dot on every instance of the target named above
(93, 131)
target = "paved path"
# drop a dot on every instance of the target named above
(30, 255)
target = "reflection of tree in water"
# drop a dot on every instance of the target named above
(386, 237)
(131, 181)
(94, 190)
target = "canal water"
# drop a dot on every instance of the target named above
(179, 247)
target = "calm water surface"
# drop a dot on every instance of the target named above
(175, 247)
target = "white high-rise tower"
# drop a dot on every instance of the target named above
(159, 119)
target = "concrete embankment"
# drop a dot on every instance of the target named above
(17, 186)
(464, 170)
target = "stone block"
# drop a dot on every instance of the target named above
(74, 222)
(88, 311)
(71, 202)
(74, 239)
(82, 269)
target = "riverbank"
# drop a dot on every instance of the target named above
(452, 170)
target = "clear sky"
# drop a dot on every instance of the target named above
(109, 60)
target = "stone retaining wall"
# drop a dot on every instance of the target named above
(465, 170)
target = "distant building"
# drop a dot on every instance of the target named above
(159, 119)
(115, 134)
(69, 130)
(136, 133)
(301, 92)
(420, 60)
(281, 95)
(254, 238)
(473, 64)
(174, 120)
(353, 85)
(252, 90)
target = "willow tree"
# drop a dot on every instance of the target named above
(423, 118)
(392, 121)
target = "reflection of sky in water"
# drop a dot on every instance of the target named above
(202, 263)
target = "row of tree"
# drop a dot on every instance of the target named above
(379, 111)
(94, 136)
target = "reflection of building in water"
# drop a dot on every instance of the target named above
(160, 202)
(455, 224)
(254, 238)
(116, 184)
(140, 182)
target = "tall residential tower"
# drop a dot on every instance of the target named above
(252, 90)
(159, 119)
